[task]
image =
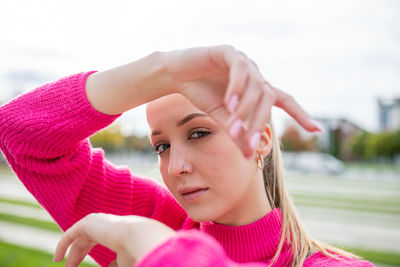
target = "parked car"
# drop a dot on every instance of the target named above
(313, 162)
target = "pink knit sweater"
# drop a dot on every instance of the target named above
(44, 136)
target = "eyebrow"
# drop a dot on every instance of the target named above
(182, 122)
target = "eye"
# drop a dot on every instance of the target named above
(160, 148)
(198, 134)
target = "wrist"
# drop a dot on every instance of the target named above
(160, 77)
(175, 67)
(144, 236)
(125, 87)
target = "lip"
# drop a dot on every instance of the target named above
(192, 194)
(190, 189)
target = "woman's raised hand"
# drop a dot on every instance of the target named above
(220, 81)
(129, 236)
(228, 86)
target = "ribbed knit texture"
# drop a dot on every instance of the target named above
(260, 238)
(44, 137)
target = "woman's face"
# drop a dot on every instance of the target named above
(200, 164)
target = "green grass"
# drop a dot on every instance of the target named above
(30, 222)
(373, 166)
(335, 183)
(348, 194)
(377, 257)
(20, 202)
(15, 256)
(385, 205)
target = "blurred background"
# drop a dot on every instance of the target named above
(339, 59)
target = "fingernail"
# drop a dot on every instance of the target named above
(235, 128)
(318, 126)
(254, 140)
(233, 103)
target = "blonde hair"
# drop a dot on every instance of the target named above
(293, 230)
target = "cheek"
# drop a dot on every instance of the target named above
(224, 156)
(163, 167)
(169, 182)
(228, 169)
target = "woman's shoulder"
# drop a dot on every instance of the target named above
(319, 259)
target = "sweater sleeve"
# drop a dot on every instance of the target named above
(190, 248)
(44, 135)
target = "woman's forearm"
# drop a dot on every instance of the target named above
(122, 88)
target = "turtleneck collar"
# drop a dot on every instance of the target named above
(257, 241)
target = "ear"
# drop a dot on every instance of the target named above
(265, 145)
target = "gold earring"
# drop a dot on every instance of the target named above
(260, 162)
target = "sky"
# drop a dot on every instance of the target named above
(336, 57)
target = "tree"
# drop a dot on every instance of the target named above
(292, 140)
(110, 138)
(358, 145)
(368, 146)
(134, 142)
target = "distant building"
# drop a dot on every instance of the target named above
(336, 137)
(389, 114)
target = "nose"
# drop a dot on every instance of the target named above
(179, 164)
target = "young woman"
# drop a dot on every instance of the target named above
(226, 204)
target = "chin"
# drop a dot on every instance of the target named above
(201, 216)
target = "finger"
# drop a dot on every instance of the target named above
(246, 106)
(289, 104)
(113, 264)
(261, 116)
(237, 63)
(238, 80)
(263, 109)
(79, 249)
(254, 64)
(62, 246)
(221, 115)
